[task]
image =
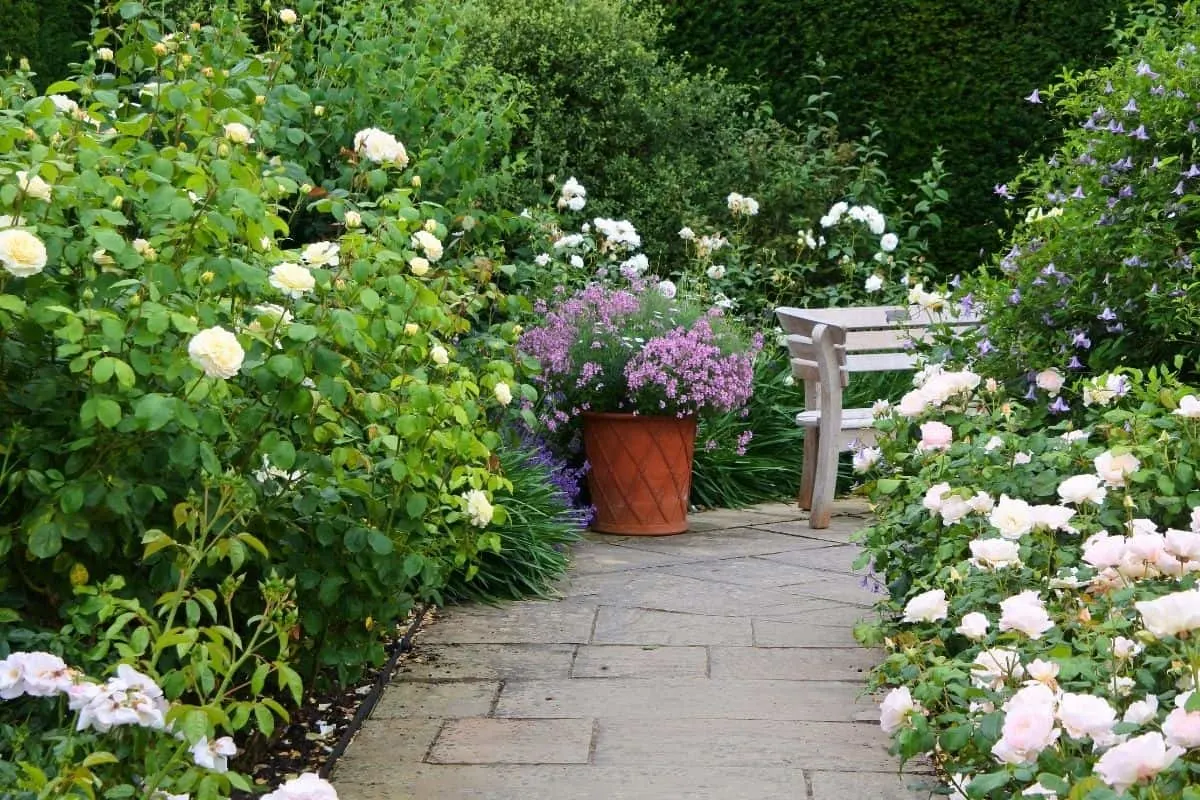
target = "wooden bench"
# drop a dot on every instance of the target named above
(827, 345)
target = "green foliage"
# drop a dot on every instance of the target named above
(1067, 523)
(929, 73)
(535, 538)
(46, 33)
(652, 142)
(1102, 274)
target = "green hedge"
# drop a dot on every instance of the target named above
(45, 32)
(949, 72)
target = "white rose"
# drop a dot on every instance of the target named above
(479, 509)
(1189, 407)
(935, 496)
(982, 503)
(217, 352)
(1051, 517)
(992, 668)
(895, 708)
(439, 355)
(1183, 544)
(542, 259)
(380, 147)
(104, 54)
(307, 787)
(687, 234)
(287, 16)
(503, 394)
(411, 328)
(1101, 550)
(1125, 648)
(352, 219)
(321, 254)
(1043, 671)
(292, 279)
(1028, 726)
(427, 242)
(874, 283)
(1012, 517)
(1114, 468)
(33, 186)
(913, 404)
(889, 242)
(238, 133)
(1082, 488)
(418, 265)
(21, 253)
(214, 755)
(716, 272)
(866, 458)
(954, 508)
(576, 261)
(992, 554)
(1026, 614)
(974, 626)
(668, 289)
(927, 607)
(1021, 458)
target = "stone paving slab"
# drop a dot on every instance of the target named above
(645, 662)
(487, 662)
(791, 663)
(514, 741)
(649, 627)
(718, 663)
(626, 698)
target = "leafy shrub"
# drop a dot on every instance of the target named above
(928, 73)
(229, 456)
(46, 33)
(542, 522)
(1100, 272)
(1061, 529)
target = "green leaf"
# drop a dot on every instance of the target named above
(108, 412)
(416, 505)
(153, 411)
(887, 485)
(45, 540)
(98, 758)
(300, 332)
(379, 543)
(413, 565)
(266, 722)
(985, 784)
(954, 739)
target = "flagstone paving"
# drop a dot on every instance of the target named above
(711, 665)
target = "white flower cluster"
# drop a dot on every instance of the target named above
(479, 508)
(380, 147)
(866, 215)
(929, 301)
(937, 388)
(1104, 389)
(618, 233)
(572, 196)
(741, 206)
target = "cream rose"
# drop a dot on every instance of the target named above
(927, 607)
(428, 243)
(1140, 758)
(1082, 488)
(1086, 716)
(238, 133)
(292, 279)
(992, 554)
(1026, 614)
(503, 393)
(439, 355)
(217, 352)
(321, 254)
(479, 509)
(895, 708)
(1012, 517)
(21, 253)
(380, 147)
(974, 626)
(288, 17)
(33, 186)
(935, 436)
(1114, 468)
(1051, 381)
(1172, 614)
(419, 266)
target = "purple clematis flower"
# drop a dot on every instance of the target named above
(1015, 297)
(1078, 193)
(1081, 340)
(1131, 107)
(1140, 134)
(1034, 98)
(1143, 69)
(1074, 363)
(1001, 189)
(1106, 315)
(1059, 406)
(1179, 190)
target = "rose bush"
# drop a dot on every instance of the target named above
(1041, 588)
(231, 457)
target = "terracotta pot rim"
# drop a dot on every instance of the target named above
(632, 414)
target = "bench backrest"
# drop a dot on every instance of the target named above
(860, 339)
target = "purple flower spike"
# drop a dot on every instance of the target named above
(1034, 98)
(1059, 406)
(1133, 261)
(1031, 393)
(1192, 126)
(1159, 90)
(1126, 191)
(1116, 127)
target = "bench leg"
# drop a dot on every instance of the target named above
(808, 470)
(825, 482)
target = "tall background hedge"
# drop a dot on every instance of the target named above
(44, 31)
(949, 72)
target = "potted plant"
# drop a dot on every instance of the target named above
(635, 365)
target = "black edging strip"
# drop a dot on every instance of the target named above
(368, 705)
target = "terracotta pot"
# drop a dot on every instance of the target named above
(641, 472)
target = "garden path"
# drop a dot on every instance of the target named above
(714, 664)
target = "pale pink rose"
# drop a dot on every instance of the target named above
(1140, 758)
(1042, 671)
(1025, 613)
(1053, 518)
(1125, 648)
(43, 674)
(954, 507)
(1141, 711)
(1172, 614)
(993, 443)
(1028, 726)
(992, 668)
(935, 496)
(1182, 727)
(1050, 381)
(306, 787)
(982, 503)
(913, 404)
(935, 436)
(974, 626)
(1021, 458)
(1183, 544)
(1114, 468)
(895, 708)
(1085, 715)
(1082, 488)
(991, 554)
(927, 607)
(1102, 550)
